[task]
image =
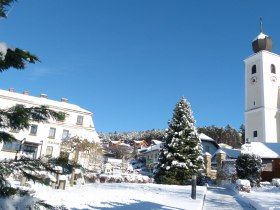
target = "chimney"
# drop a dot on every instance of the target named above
(43, 95)
(26, 93)
(64, 100)
(12, 90)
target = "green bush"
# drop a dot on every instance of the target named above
(249, 166)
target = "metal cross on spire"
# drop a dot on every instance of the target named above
(261, 25)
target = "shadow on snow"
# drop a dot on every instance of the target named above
(138, 205)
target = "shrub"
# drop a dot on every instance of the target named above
(248, 166)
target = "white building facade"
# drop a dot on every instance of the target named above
(262, 101)
(44, 139)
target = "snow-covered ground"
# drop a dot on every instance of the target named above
(263, 198)
(122, 196)
(127, 196)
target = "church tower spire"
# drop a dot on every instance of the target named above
(262, 41)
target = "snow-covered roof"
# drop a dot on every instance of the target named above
(207, 154)
(232, 153)
(18, 97)
(219, 151)
(150, 148)
(139, 141)
(222, 145)
(205, 137)
(156, 141)
(123, 144)
(115, 141)
(264, 150)
(113, 160)
(261, 36)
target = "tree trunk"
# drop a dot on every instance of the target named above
(74, 166)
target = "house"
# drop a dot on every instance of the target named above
(208, 144)
(44, 139)
(140, 144)
(151, 153)
(113, 166)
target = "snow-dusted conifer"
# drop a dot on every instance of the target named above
(249, 166)
(181, 156)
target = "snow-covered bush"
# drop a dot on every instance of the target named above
(249, 166)
(276, 182)
(243, 185)
(127, 178)
(90, 177)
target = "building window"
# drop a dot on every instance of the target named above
(33, 129)
(255, 134)
(254, 69)
(49, 151)
(273, 69)
(13, 146)
(52, 133)
(65, 135)
(80, 120)
(29, 149)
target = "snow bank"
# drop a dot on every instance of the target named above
(243, 185)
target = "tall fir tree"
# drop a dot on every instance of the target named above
(181, 156)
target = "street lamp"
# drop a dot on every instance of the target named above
(193, 195)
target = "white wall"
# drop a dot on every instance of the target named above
(42, 140)
(261, 97)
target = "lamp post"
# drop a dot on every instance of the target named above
(193, 195)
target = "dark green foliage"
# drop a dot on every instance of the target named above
(134, 135)
(19, 118)
(242, 132)
(226, 135)
(17, 59)
(249, 166)
(181, 156)
(4, 5)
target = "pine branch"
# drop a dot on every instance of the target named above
(4, 4)
(19, 118)
(17, 59)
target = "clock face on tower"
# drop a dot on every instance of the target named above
(253, 80)
(273, 79)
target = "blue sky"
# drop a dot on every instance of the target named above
(130, 61)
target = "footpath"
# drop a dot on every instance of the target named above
(217, 198)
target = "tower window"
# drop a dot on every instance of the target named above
(273, 69)
(254, 69)
(255, 134)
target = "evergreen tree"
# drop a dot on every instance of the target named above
(181, 156)
(249, 166)
(242, 133)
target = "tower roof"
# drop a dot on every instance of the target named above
(262, 41)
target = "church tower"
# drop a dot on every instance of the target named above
(262, 81)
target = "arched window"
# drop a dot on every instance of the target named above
(273, 69)
(254, 69)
